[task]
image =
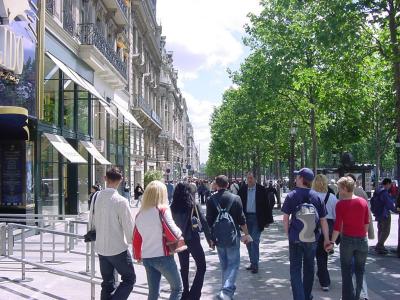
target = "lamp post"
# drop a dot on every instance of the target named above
(293, 131)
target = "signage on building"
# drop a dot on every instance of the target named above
(18, 53)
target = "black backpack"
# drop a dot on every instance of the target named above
(224, 230)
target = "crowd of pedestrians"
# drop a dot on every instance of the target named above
(317, 215)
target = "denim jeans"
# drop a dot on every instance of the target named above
(254, 247)
(352, 249)
(123, 264)
(196, 250)
(302, 254)
(166, 266)
(229, 259)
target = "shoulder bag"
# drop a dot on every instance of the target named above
(177, 244)
(90, 236)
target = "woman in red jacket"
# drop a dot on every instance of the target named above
(352, 219)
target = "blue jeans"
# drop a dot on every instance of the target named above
(123, 264)
(166, 266)
(254, 247)
(352, 249)
(229, 259)
(302, 255)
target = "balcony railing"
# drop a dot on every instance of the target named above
(90, 35)
(124, 8)
(68, 22)
(147, 109)
(50, 5)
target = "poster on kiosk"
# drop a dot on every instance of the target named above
(18, 44)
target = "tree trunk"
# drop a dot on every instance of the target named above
(396, 73)
(314, 152)
(303, 164)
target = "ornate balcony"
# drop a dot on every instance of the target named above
(119, 9)
(50, 6)
(151, 114)
(69, 23)
(123, 5)
(90, 35)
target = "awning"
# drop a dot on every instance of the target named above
(14, 123)
(129, 118)
(81, 81)
(95, 153)
(123, 107)
(65, 148)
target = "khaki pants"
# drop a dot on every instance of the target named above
(383, 231)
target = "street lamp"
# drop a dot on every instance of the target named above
(292, 131)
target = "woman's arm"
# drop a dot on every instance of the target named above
(204, 223)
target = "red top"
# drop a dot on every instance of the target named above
(353, 215)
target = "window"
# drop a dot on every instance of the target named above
(83, 111)
(69, 116)
(51, 99)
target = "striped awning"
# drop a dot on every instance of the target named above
(14, 123)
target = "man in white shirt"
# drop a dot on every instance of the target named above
(111, 217)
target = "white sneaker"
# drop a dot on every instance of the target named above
(223, 296)
(325, 288)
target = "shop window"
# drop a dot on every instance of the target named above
(49, 190)
(69, 115)
(83, 111)
(83, 180)
(50, 101)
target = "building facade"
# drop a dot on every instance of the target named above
(100, 90)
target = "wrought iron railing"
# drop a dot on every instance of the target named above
(68, 22)
(50, 6)
(123, 6)
(147, 109)
(90, 35)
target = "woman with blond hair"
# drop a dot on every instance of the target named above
(320, 185)
(153, 230)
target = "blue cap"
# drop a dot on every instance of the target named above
(306, 173)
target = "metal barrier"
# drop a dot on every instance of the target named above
(7, 238)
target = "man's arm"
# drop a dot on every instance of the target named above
(126, 220)
(286, 223)
(389, 203)
(325, 230)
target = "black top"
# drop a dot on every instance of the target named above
(263, 207)
(224, 197)
(183, 221)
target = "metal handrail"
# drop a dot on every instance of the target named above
(9, 254)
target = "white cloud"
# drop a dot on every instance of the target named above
(206, 29)
(199, 113)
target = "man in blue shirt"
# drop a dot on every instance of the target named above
(386, 205)
(301, 251)
(258, 215)
(170, 191)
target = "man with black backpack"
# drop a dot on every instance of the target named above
(307, 213)
(381, 206)
(224, 217)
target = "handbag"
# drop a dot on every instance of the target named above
(196, 223)
(90, 236)
(174, 246)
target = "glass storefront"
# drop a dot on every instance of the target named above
(83, 180)
(51, 100)
(49, 173)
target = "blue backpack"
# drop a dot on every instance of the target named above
(307, 214)
(224, 231)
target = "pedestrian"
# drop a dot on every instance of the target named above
(320, 186)
(111, 217)
(201, 191)
(138, 192)
(93, 190)
(234, 187)
(190, 219)
(381, 205)
(225, 206)
(170, 191)
(272, 192)
(352, 219)
(359, 192)
(279, 190)
(150, 240)
(307, 213)
(258, 212)
(333, 187)
(193, 188)
(127, 191)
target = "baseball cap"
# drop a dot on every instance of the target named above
(306, 173)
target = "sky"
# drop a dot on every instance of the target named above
(206, 38)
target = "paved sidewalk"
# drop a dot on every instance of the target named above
(272, 281)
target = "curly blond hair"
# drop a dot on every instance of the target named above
(320, 184)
